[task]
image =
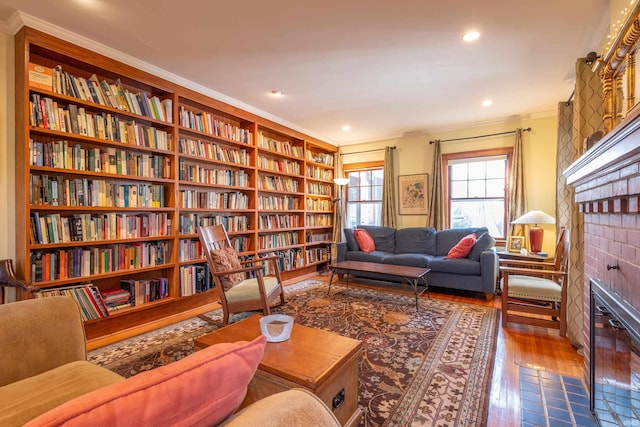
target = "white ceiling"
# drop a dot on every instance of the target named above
(386, 68)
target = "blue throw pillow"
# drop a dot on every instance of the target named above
(483, 243)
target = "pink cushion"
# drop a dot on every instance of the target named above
(464, 246)
(364, 239)
(202, 389)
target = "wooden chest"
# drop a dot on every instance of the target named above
(322, 362)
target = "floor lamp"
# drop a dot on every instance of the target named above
(536, 233)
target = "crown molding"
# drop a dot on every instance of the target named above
(20, 19)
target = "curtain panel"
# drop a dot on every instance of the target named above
(388, 190)
(435, 216)
(517, 189)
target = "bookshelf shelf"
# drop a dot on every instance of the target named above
(133, 146)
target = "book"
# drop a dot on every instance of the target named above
(40, 76)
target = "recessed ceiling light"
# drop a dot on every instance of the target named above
(277, 93)
(487, 102)
(346, 128)
(471, 36)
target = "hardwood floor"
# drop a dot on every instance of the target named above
(518, 345)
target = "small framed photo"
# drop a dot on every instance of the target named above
(515, 243)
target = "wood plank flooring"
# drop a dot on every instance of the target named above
(518, 345)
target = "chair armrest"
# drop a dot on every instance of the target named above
(237, 270)
(528, 263)
(532, 272)
(294, 407)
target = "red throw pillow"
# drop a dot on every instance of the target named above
(364, 239)
(464, 246)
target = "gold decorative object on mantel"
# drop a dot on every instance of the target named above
(618, 62)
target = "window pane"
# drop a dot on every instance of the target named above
(370, 213)
(459, 190)
(365, 178)
(477, 170)
(458, 172)
(365, 193)
(476, 189)
(479, 213)
(495, 187)
(377, 176)
(354, 179)
(376, 193)
(495, 168)
(354, 193)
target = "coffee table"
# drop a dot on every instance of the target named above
(411, 274)
(322, 362)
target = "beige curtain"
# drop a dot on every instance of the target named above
(517, 190)
(576, 122)
(388, 190)
(435, 216)
(338, 208)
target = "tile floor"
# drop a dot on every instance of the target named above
(553, 400)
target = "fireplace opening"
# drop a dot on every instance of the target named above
(615, 359)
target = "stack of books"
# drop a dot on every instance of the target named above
(116, 298)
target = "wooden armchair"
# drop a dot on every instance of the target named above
(237, 292)
(535, 293)
(8, 279)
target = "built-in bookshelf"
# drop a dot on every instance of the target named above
(116, 169)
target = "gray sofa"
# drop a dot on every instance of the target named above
(426, 247)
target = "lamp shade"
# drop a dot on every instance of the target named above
(535, 217)
(341, 181)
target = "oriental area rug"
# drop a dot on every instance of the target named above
(430, 367)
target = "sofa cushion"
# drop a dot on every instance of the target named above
(409, 260)
(365, 242)
(375, 256)
(28, 398)
(463, 247)
(454, 265)
(202, 389)
(383, 237)
(352, 245)
(416, 240)
(483, 243)
(446, 239)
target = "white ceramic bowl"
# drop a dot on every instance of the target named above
(276, 327)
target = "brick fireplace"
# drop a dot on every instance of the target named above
(607, 190)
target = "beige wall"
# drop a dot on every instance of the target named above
(414, 155)
(7, 188)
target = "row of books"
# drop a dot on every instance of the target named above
(319, 173)
(318, 237)
(207, 123)
(63, 264)
(56, 228)
(46, 113)
(319, 189)
(277, 240)
(142, 291)
(212, 151)
(281, 147)
(113, 95)
(277, 165)
(318, 205)
(277, 183)
(195, 199)
(197, 173)
(287, 260)
(195, 279)
(87, 296)
(191, 249)
(274, 222)
(319, 220)
(324, 158)
(232, 223)
(62, 155)
(272, 202)
(61, 191)
(317, 255)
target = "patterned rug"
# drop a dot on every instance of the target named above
(432, 367)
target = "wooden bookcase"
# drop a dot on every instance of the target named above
(111, 184)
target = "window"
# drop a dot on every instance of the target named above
(477, 189)
(364, 195)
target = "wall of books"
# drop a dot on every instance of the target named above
(116, 169)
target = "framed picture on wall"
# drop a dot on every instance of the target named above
(412, 193)
(515, 243)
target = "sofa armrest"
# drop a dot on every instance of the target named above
(294, 407)
(341, 251)
(39, 335)
(489, 269)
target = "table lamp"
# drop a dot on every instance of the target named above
(536, 233)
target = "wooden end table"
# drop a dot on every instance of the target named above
(322, 362)
(411, 274)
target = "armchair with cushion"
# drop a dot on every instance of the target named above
(237, 292)
(535, 293)
(45, 380)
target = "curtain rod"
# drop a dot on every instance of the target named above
(367, 151)
(480, 136)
